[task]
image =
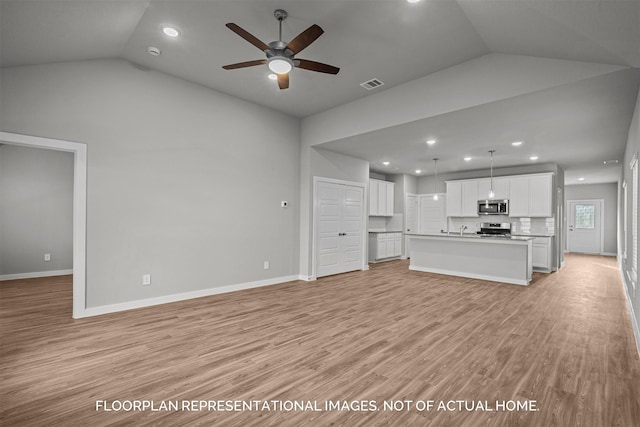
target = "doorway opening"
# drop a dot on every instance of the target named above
(79, 206)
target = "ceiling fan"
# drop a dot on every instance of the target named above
(281, 55)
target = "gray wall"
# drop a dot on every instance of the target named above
(609, 193)
(36, 210)
(184, 183)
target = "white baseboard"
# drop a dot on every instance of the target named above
(634, 319)
(609, 254)
(130, 305)
(35, 275)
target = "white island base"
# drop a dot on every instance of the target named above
(507, 260)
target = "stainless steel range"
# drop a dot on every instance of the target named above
(496, 229)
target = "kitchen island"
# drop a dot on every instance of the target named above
(498, 259)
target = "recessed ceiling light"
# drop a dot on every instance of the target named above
(385, 163)
(413, 1)
(580, 179)
(431, 141)
(533, 158)
(153, 51)
(467, 159)
(418, 171)
(516, 143)
(170, 31)
(273, 76)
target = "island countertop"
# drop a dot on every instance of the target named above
(498, 259)
(474, 236)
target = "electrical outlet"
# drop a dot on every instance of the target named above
(266, 265)
(146, 279)
(47, 257)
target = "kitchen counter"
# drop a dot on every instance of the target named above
(476, 236)
(493, 258)
(385, 231)
(533, 235)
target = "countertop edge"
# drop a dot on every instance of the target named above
(475, 238)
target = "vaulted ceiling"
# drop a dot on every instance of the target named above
(391, 40)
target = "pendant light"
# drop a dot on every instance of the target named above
(491, 193)
(435, 181)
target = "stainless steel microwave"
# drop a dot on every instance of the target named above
(493, 207)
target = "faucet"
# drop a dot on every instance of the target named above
(462, 228)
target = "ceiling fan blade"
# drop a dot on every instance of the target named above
(305, 38)
(283, 81)
(247, 36)
(316, 66)
(245, 64)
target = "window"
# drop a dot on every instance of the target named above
(634, 219)
(585, 216)
(625, 220)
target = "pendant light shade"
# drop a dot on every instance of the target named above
(491, 193)
(435, 181)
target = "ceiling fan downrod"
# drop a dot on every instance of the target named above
(280, 15)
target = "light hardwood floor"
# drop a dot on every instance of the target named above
(387, 334)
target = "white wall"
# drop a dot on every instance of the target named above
(184, 183)
(36, 210)
(632, 148)
(608, 193)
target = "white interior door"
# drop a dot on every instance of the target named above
(412, 214)
(433, 217)
(584, 232)
(352, 228)
(339, 241)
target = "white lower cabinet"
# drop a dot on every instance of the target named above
(384, 245)
(541, 253)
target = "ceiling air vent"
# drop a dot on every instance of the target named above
(371, 84)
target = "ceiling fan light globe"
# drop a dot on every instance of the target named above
(279, 64)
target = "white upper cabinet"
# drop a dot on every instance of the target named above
(519, 197)
(454, 198)
(541, 196)
(390, 199)
(381, 196)
(531, 196)
(470, 198)
(373, 197)
(528, 195)
(500, 188)
(462, 198)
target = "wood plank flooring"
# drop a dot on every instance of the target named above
(387, 334)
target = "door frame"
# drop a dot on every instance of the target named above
(314, 220)
(79, 151)
(600, 203)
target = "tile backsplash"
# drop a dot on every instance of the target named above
(540, 226)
